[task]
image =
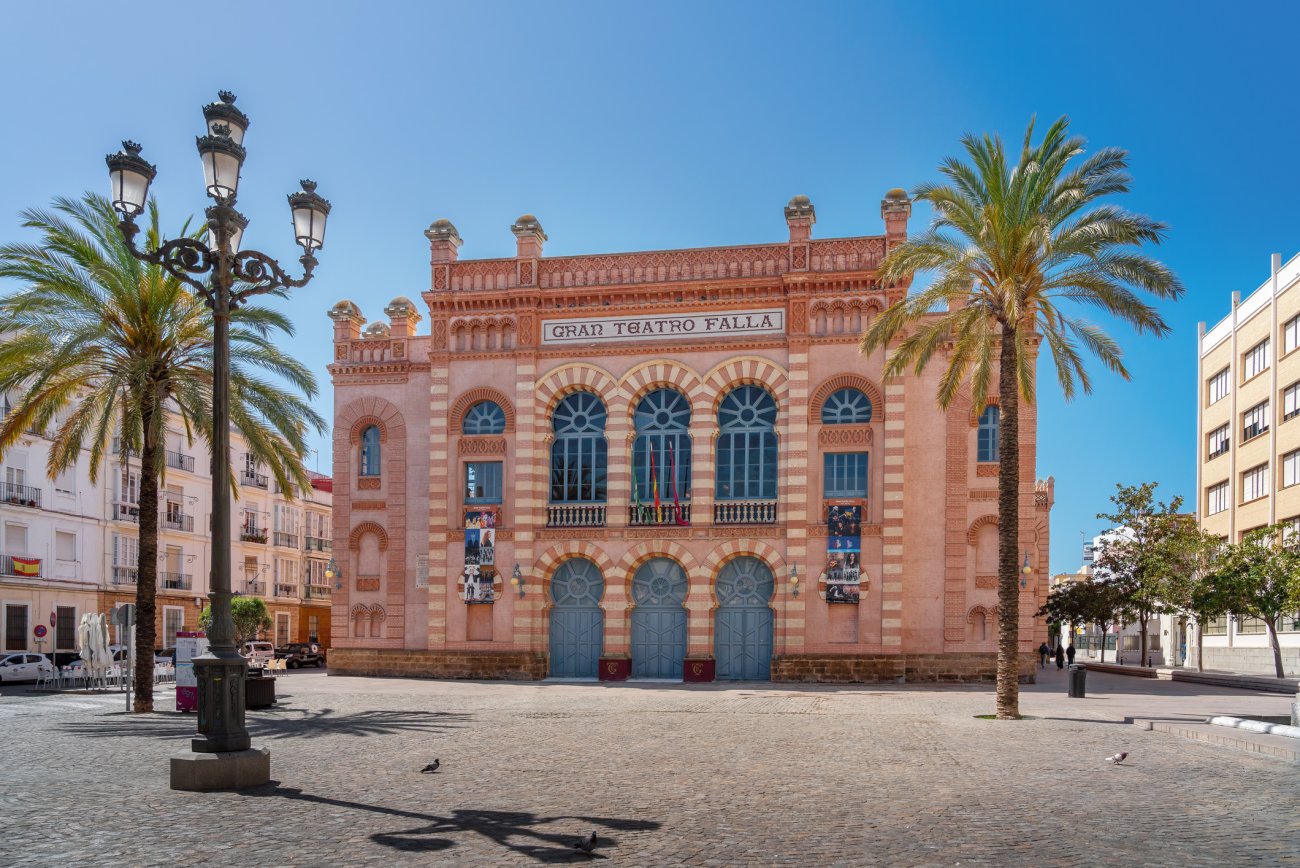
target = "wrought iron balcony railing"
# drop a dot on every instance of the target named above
(286, 539)
(176, 521)
(575, 515)
(284, 589)
(257, 480)
(744, 512)
(20, 495)
(316, 592)
(125, 575)
(175, 581)
(7, 567)
(126, 512)
(180, 461)
(253, 535)
(316, 544)
(254, 587)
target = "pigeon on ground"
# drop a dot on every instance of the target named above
(1117, 758)
(587, 844)
(431, 767)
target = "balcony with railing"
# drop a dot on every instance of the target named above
(286, 589)
(257, 480)
(316, 592)
(665, 515)
(172, 520)
(252, 535)
(126, 512)
(744, 512)
(20, 495)
(316, 544)
(125, 575)
(575, 515)
(175, 581)
(254, 587)
(180, 461)
(286, 539)
(9, 568)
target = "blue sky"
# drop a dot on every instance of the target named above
(670, 124)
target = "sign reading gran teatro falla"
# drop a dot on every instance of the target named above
(594, 330)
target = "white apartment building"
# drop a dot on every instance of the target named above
(1248, 447)
(68, 546)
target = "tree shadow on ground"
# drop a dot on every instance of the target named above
(283, 723)
(500, 827)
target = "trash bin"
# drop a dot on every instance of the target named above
(259, 690)
(1078, 676)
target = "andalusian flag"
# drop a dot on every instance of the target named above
(27, 566)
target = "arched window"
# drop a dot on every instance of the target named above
(847, 406)
(485, 417)
(747, 445)
(370, 451)
(579, 453)
(661, 457)
(988, 434)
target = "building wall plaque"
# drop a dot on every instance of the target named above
(597, 330)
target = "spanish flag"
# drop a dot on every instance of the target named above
(27, 566)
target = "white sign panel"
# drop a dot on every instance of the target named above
(597, 330)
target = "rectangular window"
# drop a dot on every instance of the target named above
(15, 539)
(65, 482)
(845, 474)
(483, 482)
(1290, 401)
(126, 551)
(1217, 442)
(1254, 483)
(15, 627)
(1216, 499)
(1247, 626)
(65, 546)
(65, 628)
(1219, 386)
(1291, 335)
(1291, 468)
(1289, 622)
(1254, 421)
(281, 628)
(173, 623)
(1255, 360)
(1216, 627)
(313, 628)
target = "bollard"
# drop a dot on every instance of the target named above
(1077, 678)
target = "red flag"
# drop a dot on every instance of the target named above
(677, 504)
(654, 482)
(26, 566)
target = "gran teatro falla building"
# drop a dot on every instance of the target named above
(671, 464)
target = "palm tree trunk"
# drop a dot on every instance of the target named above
(146, 587)
(1008, 678)
(1277, 649)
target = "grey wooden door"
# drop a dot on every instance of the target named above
(577, 621)
(659, 619)
(742, 634)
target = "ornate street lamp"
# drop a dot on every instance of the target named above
(221, 671)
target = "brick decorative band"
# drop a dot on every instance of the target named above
(850, 668)
(396, 663)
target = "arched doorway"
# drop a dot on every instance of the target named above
(743, 620)
(577, 621)
(659, 619)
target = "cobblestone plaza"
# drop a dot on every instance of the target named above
(738, 774)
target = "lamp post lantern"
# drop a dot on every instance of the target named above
(221, 671)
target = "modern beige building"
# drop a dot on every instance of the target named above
(1248, 452)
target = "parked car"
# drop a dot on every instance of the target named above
(24, 667)
(258, 654)
(297, 654)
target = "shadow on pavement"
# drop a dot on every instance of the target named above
(501, 827)
(285, 723)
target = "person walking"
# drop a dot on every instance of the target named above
(1043, 651)
(1069, 652)
(1060, 657)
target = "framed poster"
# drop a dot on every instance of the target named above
(480, 576)
(843, 554)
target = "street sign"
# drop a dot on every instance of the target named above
(54, 620)
(124, 615)
(39, 630)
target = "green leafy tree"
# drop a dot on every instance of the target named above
(99, 344)
(1260, 577)
(1092, 601)
(1153, 542)
(1015, 246)
(250, 614)
(1191, 590)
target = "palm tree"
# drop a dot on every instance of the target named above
(99, 344)
(1009, 244)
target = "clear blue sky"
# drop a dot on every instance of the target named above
(632, 126)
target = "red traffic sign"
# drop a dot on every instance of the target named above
(39, 630)
(54, 620)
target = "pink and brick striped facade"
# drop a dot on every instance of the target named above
(928, 535)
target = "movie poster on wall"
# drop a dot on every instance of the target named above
(480, 556)
(843, 554)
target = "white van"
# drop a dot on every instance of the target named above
(259, 654)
